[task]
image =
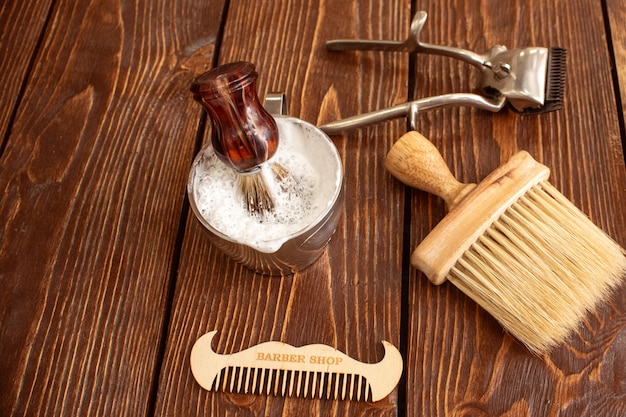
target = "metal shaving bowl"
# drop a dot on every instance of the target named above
(299, 249)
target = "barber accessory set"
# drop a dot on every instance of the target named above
(268, 192)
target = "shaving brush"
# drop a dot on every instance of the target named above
(246, 136)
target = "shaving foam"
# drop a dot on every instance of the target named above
(298, 206)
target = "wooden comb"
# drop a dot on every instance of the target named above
(313, 371)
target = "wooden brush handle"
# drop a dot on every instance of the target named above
(416, 162)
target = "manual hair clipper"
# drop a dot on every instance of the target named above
(531, 79)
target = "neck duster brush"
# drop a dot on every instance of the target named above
(246, 136)
(512, 243)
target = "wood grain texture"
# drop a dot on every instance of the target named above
(459, 358)
(349, 298)
(92, 182)
(21, 25)
(617, 23)
(107, 279)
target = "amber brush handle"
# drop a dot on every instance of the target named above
(416, 162)
(246, 134)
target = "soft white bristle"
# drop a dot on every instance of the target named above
(257, 192)
(540, 268)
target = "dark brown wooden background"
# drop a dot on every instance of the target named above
(107, 280)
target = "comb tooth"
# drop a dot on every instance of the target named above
(247, 385)
(336, 379)
(246, 382)
(233, 378)
(233, 372)
(216, 383)
(262, 380)
(314, 385)
(225, 378)
(240, 378)
(311, 377)
(280, 375)
(287, 382)
(239, 372)
(299, 388)
(320, 384)
(352, 386)
(224, 381)
(276, 383)
(344, 386)
(311, 381)
(329, 385)
(254, 380)
(269, 382)
(306, 384)
(360, 386)
(286, 375)
(291, 383)
(330, 389)
(228, 380)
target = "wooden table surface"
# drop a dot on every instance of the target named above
(107, 279)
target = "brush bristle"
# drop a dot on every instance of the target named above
(540, 268)
(286, 181)
(255, 193)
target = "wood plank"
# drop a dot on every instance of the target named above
(349, 298)
(21, 25)
(458, 358)
(617, 21)
(93, 181)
